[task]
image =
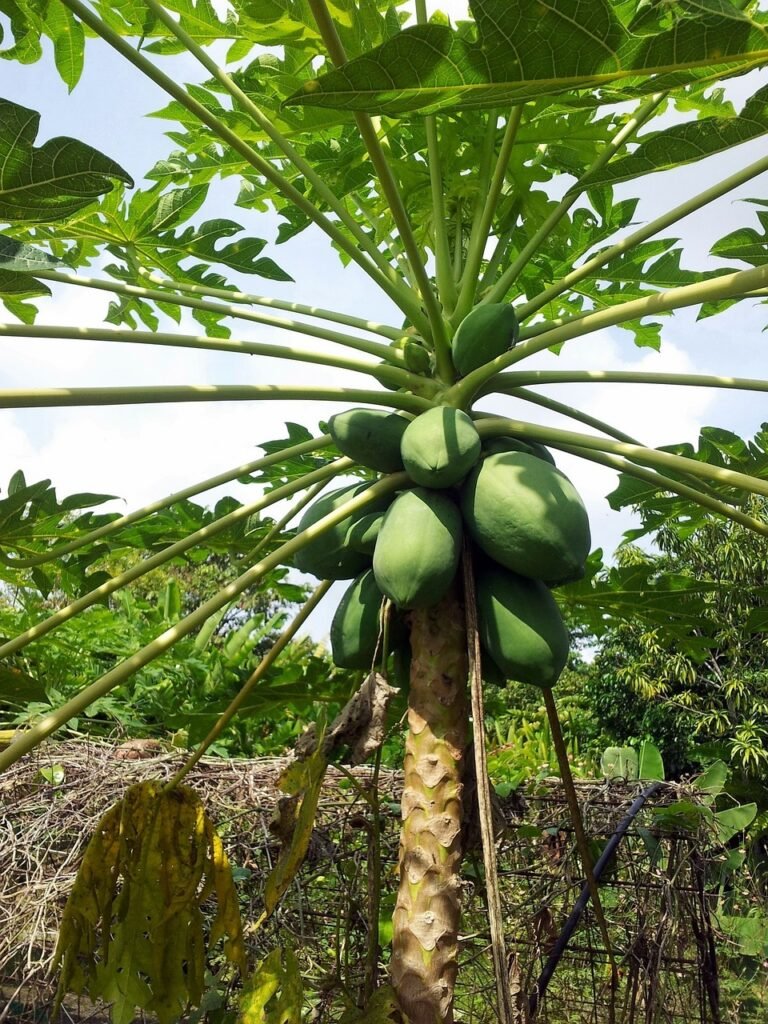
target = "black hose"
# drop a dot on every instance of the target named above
(578, 908)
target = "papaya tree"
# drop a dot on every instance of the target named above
(416, 147)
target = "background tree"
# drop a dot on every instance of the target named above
(699, 681)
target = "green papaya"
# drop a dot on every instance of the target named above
(364, 532)
(355, 628)
(440, 447)
(527, 516)
(493, 445)
(329, 556)
(418, 548)
(486, 332)
(520, 626)
(370, 436)
(417, 358)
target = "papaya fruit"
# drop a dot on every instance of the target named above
(527, 516)
(515, 444)
(440, 447)
(418, 548)
(355, 628)
(417, 358)
(329, 556)
(363, 533)
(370, 436)
(486, 332)
(520, 626)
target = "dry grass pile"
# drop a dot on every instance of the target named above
(658, 893)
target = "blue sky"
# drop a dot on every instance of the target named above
(140, 453)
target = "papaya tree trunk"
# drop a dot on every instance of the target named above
(426, 918)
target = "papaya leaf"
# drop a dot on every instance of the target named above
(25, 22)
(529, 49)
(132, 931)
(686, 143)
(746, 244)
(301, 782)
(68, 37)
(274, 992)
(52, 181)
(21, 258)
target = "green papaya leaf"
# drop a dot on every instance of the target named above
(22, 258)
(746, 243)
(50, 182)
(528, 49)
(686, 143)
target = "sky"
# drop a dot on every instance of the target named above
(140, 453)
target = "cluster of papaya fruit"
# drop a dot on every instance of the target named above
(525, 517)
(526, 520)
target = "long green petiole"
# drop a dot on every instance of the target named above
(482, 227)
(724, 286)
(499, 291)
(665, 483)
(501, 426)
(445, 283)
(294, 451)
(146, 565)
(590, 421)
(255, 677)
(246, 298)
(402, 297)
(43, 728)
(507, 383)
(269, 128)
(46, 398)
(545, 402)
(335, 47)
(642, 234)
(382, 351)
(385, 373)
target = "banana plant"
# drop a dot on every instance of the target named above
(416, 147)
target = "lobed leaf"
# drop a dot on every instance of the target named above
(50, 182)
(686, 143)
(533, 48)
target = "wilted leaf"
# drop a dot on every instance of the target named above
(273, 994)
(303, 780)
(132, 931)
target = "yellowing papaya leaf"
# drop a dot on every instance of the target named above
(381, 1009)
(227, 923)
(90, 903)
(133, 930)
(305, 779)
(274, 992)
